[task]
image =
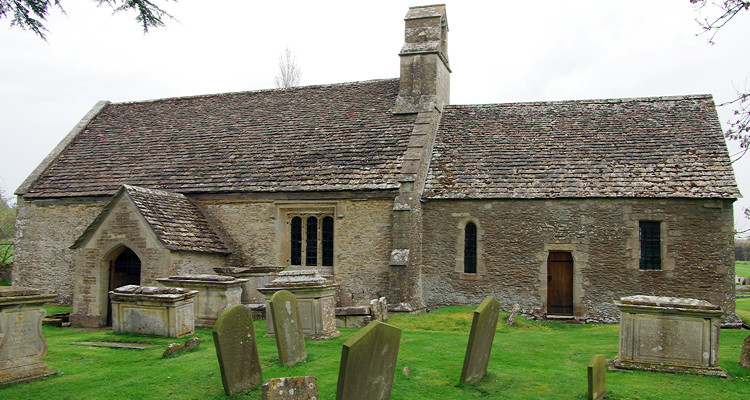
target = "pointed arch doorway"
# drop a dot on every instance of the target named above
(124, 269)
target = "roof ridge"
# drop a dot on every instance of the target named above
(199, 96)
(591, 101)
(159, 192)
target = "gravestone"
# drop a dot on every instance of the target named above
(669, 334)
(22, 344)
(597, 370)
(513, 314)
(745, 354)
(290, 342)
(178, 349)
(236, 348)
(316, 301)
(480, 341)
(368, 361)
(294, 388)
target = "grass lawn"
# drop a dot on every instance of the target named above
(528, 361)
(742, 268)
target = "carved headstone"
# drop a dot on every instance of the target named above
(22, 344)
(294, 388)
(237, 350)
(290, 341)
(745, 354)
(480, 341)
(368, 361)
(597, 370)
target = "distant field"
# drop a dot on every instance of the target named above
(742, 268)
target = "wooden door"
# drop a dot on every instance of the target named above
(560, 283)
(125, 269)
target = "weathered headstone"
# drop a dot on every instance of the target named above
(368, 362)
(290, 342)
(236, 348)
(293, 388)
(22, 344)
(174, 349)
(513, 314)
(597, 370)
(316, 300)
(480, 341)
(745, 354)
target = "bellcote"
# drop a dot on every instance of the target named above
(425, 71)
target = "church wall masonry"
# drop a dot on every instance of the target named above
(362, 244)
(515, 237)
(44, 231)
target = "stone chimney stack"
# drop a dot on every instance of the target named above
(425, 71)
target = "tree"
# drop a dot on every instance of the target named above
(31, 14)
(7, 229)
(289, 72)
(739, 126)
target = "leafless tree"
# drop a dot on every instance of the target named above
(289, 72)
(739, 125)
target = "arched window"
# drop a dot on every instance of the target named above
(470, 248)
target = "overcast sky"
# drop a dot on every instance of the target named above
(500, 51)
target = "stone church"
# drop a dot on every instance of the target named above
(560, 207)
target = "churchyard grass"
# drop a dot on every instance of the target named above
(743, 309)
(530, 360)
(742, 268)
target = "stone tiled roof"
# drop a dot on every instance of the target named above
(176, 221)
(648, 147)
(314, 138)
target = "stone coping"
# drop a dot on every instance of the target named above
(304, 278)
(135, 292)
(667, 302)
(259, 269)
(19, 294)
(353, 310)
(217, 280)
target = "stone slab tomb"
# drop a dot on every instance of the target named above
(668, 334)
(597, 374)
(368, 361)
(256, 277)
(481, 337)
(237, 350)
(293, 388)
(316, 301)
(153, 310)
(22, 344)
(290, 342)
(215, 294)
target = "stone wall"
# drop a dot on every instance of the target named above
(44, 232)
(515, 237)
(258, 230)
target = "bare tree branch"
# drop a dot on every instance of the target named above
(289, 74)
(739, 126)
